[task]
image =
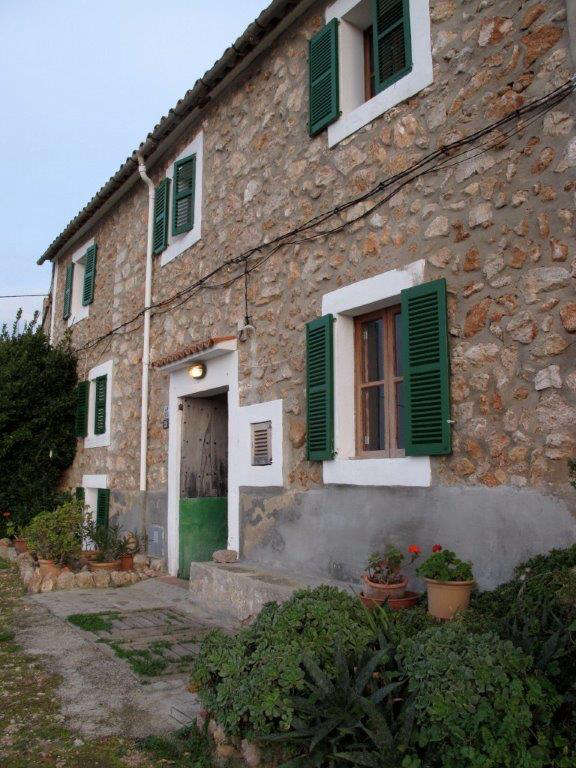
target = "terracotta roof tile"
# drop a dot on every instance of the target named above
(192, 349)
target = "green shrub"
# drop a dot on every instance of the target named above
(474, 700)
(537, 611)
(37, 411)
(350, 716)
(247, 681)
(57, 535)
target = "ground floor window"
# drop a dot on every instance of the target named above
(379, 384)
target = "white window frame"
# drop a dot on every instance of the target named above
(356, 113)
(77, 310)
(91, 440)
(91, 484)
(177, 244)
(345, 304)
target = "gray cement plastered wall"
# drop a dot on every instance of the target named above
(329, 532)
(137, 511)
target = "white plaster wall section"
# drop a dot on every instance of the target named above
(77, 311)
(346, 303)
(221, 375)
(104, 440)
(356, 113)
(271, 474)
(177, 244)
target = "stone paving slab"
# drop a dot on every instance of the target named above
(100, 693)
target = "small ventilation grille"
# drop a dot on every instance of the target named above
(155, 540)
(261, 443)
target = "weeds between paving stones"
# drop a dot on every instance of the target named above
(93, 622)
(32, 730)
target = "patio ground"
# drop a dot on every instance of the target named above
(72, 697)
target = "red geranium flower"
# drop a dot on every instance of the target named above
(437, 548)
(414, 549)
(6, 514)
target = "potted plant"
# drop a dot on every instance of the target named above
(383, 579)
(56, 536)
(449, 582)
(106, 540)
(129, 545)
(14, 532)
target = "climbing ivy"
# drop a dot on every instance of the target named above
(37, 408)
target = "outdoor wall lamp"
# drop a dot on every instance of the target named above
(197, 371)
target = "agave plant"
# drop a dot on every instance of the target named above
(348, 718)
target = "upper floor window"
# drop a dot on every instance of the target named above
(94, 406)
(178, 204)
(370, 56)
(79, 284)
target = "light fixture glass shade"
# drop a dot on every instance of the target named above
(197, 370)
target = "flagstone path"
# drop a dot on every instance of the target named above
(131, 677)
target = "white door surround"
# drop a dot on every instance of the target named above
(221, 376)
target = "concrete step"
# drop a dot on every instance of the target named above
(242, 589)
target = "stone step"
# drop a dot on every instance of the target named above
(242, 589)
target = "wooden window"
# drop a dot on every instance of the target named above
(369, 76)
(323, 78)
(379, 384)
(261, 443)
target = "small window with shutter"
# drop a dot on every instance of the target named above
(100, 393)
(261, 443)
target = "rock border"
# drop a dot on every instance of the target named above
(144, 568)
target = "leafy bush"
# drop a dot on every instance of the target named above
(350, 717)
(107, 541)
(247, 681)
(475, 702)
(37, 409)
(57, 535)
(443, 565)
(537, 611)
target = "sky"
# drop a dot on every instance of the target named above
(81, 84)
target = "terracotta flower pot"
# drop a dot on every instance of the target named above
(49, 568)
(90, 554)
(20, 545)
(113, 566)
(394, 603)
(383, 592)
(446, 598)
(126, 562)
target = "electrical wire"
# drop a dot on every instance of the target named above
(447, 158)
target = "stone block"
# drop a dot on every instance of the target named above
(548, 377)
(225, 556)
(85, 580)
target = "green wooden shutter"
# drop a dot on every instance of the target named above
(320, 388)
(80, 495)
(183, 195)
(83, 390)
(103, 506)
(426, 369)
(68, 292)
(323, 78)
(161, 203)
(100, 405)
(392, 46)
(89, 276)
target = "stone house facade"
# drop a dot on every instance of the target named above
(488, 222)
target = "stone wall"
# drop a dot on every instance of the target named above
(498, 224)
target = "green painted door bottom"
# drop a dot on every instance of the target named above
(203, 530)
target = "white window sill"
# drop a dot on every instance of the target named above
(97, 441)
(80, 314)
(179, 244)
(413, 471)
